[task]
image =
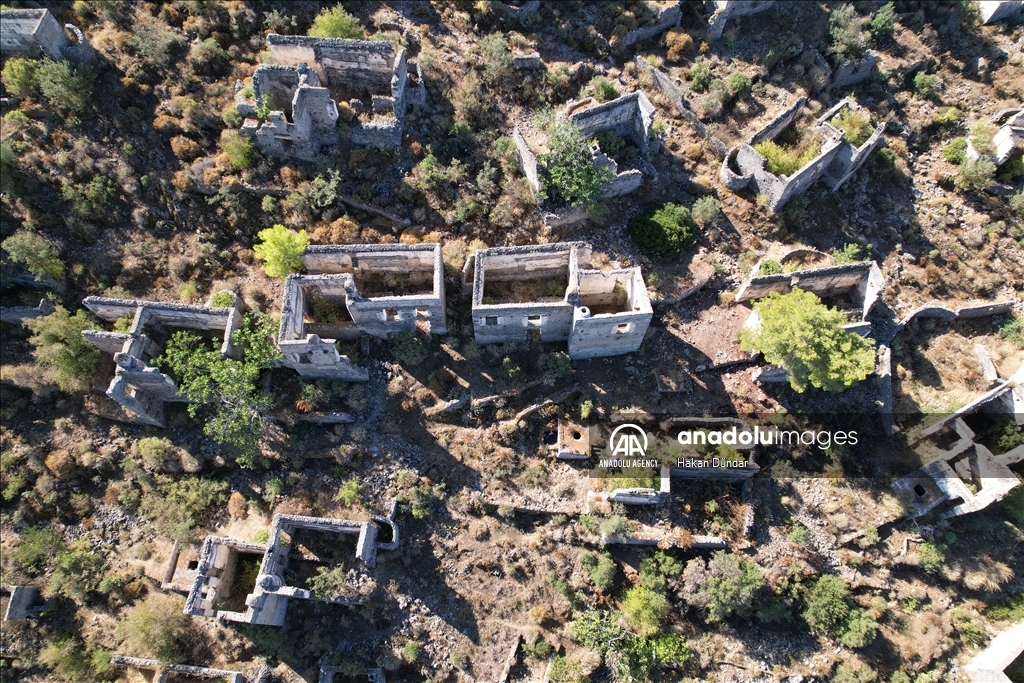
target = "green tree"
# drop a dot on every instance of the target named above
(848, 673)
(19, 76)
(336, 23)
(859, 630)
(828, 605)
(663, 231)
(498, 62)
(154, 628)
(281, 250)
(239, 150)
(67, 360)
(844, 27)
(883, 23)
(568, 171)
(177, 505)
(39, 255)
(67, 87)
(975, 174)
(240, 407)
(926, 85)
(807, 339)
(77, 571)
(602, 569)
(726, 587)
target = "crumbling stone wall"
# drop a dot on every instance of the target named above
(163, 672)
(1007, 139)
(863, 282)
(837, 160)
(729, 9)
(999, 10)
(337, 269)
(667, 17)
(36, 33)
(851, 72)
(588, 333)
(631, 116)
(354, 70)
(269, 600)
(140, 389)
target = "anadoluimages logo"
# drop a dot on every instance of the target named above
(628, 441)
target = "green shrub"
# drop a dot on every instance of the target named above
(855, 124)
(610, 142)
(700, 75)
(498, 60)
(807, 338)
(859, 630)
(955, 151)
(663, 231)
(601, 568)
(1016, 204)
(1013, 332)
(178, 505)
(38, 547)
(222, 299)
(727, 587)
(155, 451)
(349, 493)
(239, 150)
(948, 115)
(976, 174)
(930, 557)
(769, 267)
(848, 673)
(828, 605)
(555, 365)
(568, 171)
(645, 610)
(336, 23)
(156, 627)
(153, 44)
(77, 572)
(408, 348)
(782, 161)
(883, 23)
(1011, 610)
(67, 87)
(19, 76)
(926, 85)
(706, 211)
(281, 250)
(231, 117)
(72, 661)
(799, 536)
(603, 90)
(739, 84)
(67, 360)
(39, 255)
(850, 253)
(208, 56)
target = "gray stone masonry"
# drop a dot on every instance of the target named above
(837, 160)
(862, 282)
(311, 74)
(24, 602)
(167, 672)
(668, 17)
(989, 665)
(36, 33)
(729, 9)
(268, 601)
(342, 276)
(599, 313)
(140, 389)
(295, 92)
(851, 72)
(1007, 140)
(373, 675)
(17, 315)
(1000, 10)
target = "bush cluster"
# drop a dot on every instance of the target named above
(664, 231)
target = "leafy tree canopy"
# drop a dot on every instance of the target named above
(68, 360)
(802, 335)
(336, 23)
(568, 171)
(281, 250)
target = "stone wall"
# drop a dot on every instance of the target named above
(852, 72)
(31, 32)
(667, 17)
(1000, 10)
(862, 281)
(163, 670)
(631, 116)
(729, 9)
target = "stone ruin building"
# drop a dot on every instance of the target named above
(351, 290)
(724, 10)
(160, 672)
(36, 33)
(836, 162)
(327, 672)
(309, 78)
(546, 293)
(630, 116)
(213, 591)
(990, 664)
(139, 388)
